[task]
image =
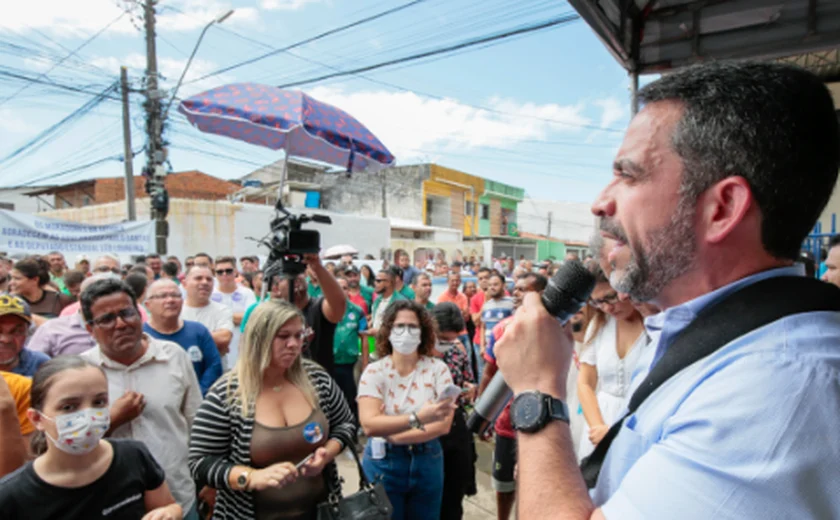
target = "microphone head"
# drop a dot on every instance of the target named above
(568, 290)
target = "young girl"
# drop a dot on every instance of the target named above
(77, 475)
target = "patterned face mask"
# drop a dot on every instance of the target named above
(80, 432)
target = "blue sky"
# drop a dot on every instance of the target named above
(559, 100)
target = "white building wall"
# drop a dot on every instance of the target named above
(22, 202)
(223, 228)
(570, 221)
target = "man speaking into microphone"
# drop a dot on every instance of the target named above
(736, 411)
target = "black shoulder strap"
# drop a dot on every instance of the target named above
(743, 311)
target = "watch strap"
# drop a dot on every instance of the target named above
(557, 409)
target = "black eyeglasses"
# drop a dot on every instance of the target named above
(228, 271)
(611, 299)
(129, 315)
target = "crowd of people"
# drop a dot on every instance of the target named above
(203, 396)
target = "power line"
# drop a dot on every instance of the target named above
(443, 50)
(322, 35)
(70, 88)
(65, 58)
(73, 170)
(51, 132)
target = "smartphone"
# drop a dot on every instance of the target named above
(450, 392)
(304, 461)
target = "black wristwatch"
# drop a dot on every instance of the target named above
(531, 411)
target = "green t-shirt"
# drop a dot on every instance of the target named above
(408, 292)
(59, 282)
(430, 306)
(313, 290)
(367, 294)
(346, 339)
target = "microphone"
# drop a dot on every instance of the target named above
(565, 294)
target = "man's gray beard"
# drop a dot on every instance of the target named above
(671, 253)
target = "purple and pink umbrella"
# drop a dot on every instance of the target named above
(287, 120)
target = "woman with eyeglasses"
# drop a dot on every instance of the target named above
(264, 418)
(78, 474)
(29, 279)
(612, 345)
(404, 411)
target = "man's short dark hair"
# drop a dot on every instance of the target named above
(138, 282)
(418, 276)
(396, 271)
(537, 280)
(389, 273)
(500, 276)
(100, 289)
(772, 124)
(226, 260)
(833, 242)
(74, 277)
(448, 317)
(170, 269)
(152, 255)
(485, 270)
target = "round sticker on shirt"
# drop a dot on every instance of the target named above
(195, 354)
(351, 315)
(313, 433)
(216, 297)
(236, 297)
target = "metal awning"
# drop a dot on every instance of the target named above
(650, 36)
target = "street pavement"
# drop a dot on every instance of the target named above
(479, 507)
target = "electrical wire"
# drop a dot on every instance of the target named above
(52, 131)
(547, 24)
(317, 37)
(68, 56)
(73, 170)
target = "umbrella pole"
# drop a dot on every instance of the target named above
(284, 173)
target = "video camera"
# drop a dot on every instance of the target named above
(288, 242)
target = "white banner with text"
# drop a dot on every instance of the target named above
(22, 233)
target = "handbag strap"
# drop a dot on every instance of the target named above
(739, 313)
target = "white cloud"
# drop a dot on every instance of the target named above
(613, 111)
(63, 17)
(85, 17)
(412, 126)
(286, 5)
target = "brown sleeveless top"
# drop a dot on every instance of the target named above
(271, 445)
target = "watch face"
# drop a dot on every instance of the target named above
(527, 411)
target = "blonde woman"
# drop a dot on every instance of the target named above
(265, 416)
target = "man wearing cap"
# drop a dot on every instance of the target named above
(83, 264)
(15, 319)
(357, 293)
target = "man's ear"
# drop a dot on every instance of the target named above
(723, 207)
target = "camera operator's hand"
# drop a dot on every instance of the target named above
(312, 260)
(535, 351)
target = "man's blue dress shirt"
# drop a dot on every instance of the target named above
(751, 431)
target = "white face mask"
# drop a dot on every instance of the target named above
(405, 343)
(444, 346)
(80, 432)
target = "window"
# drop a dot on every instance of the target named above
(469, 208)
(485, 211)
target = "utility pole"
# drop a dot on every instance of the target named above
(155, 150)
(384, 200)
(128, 155)
(548, 232)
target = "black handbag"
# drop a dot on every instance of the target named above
(370, 502)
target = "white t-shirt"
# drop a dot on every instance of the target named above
(237, 301)
(214, 316)
(405, 395)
